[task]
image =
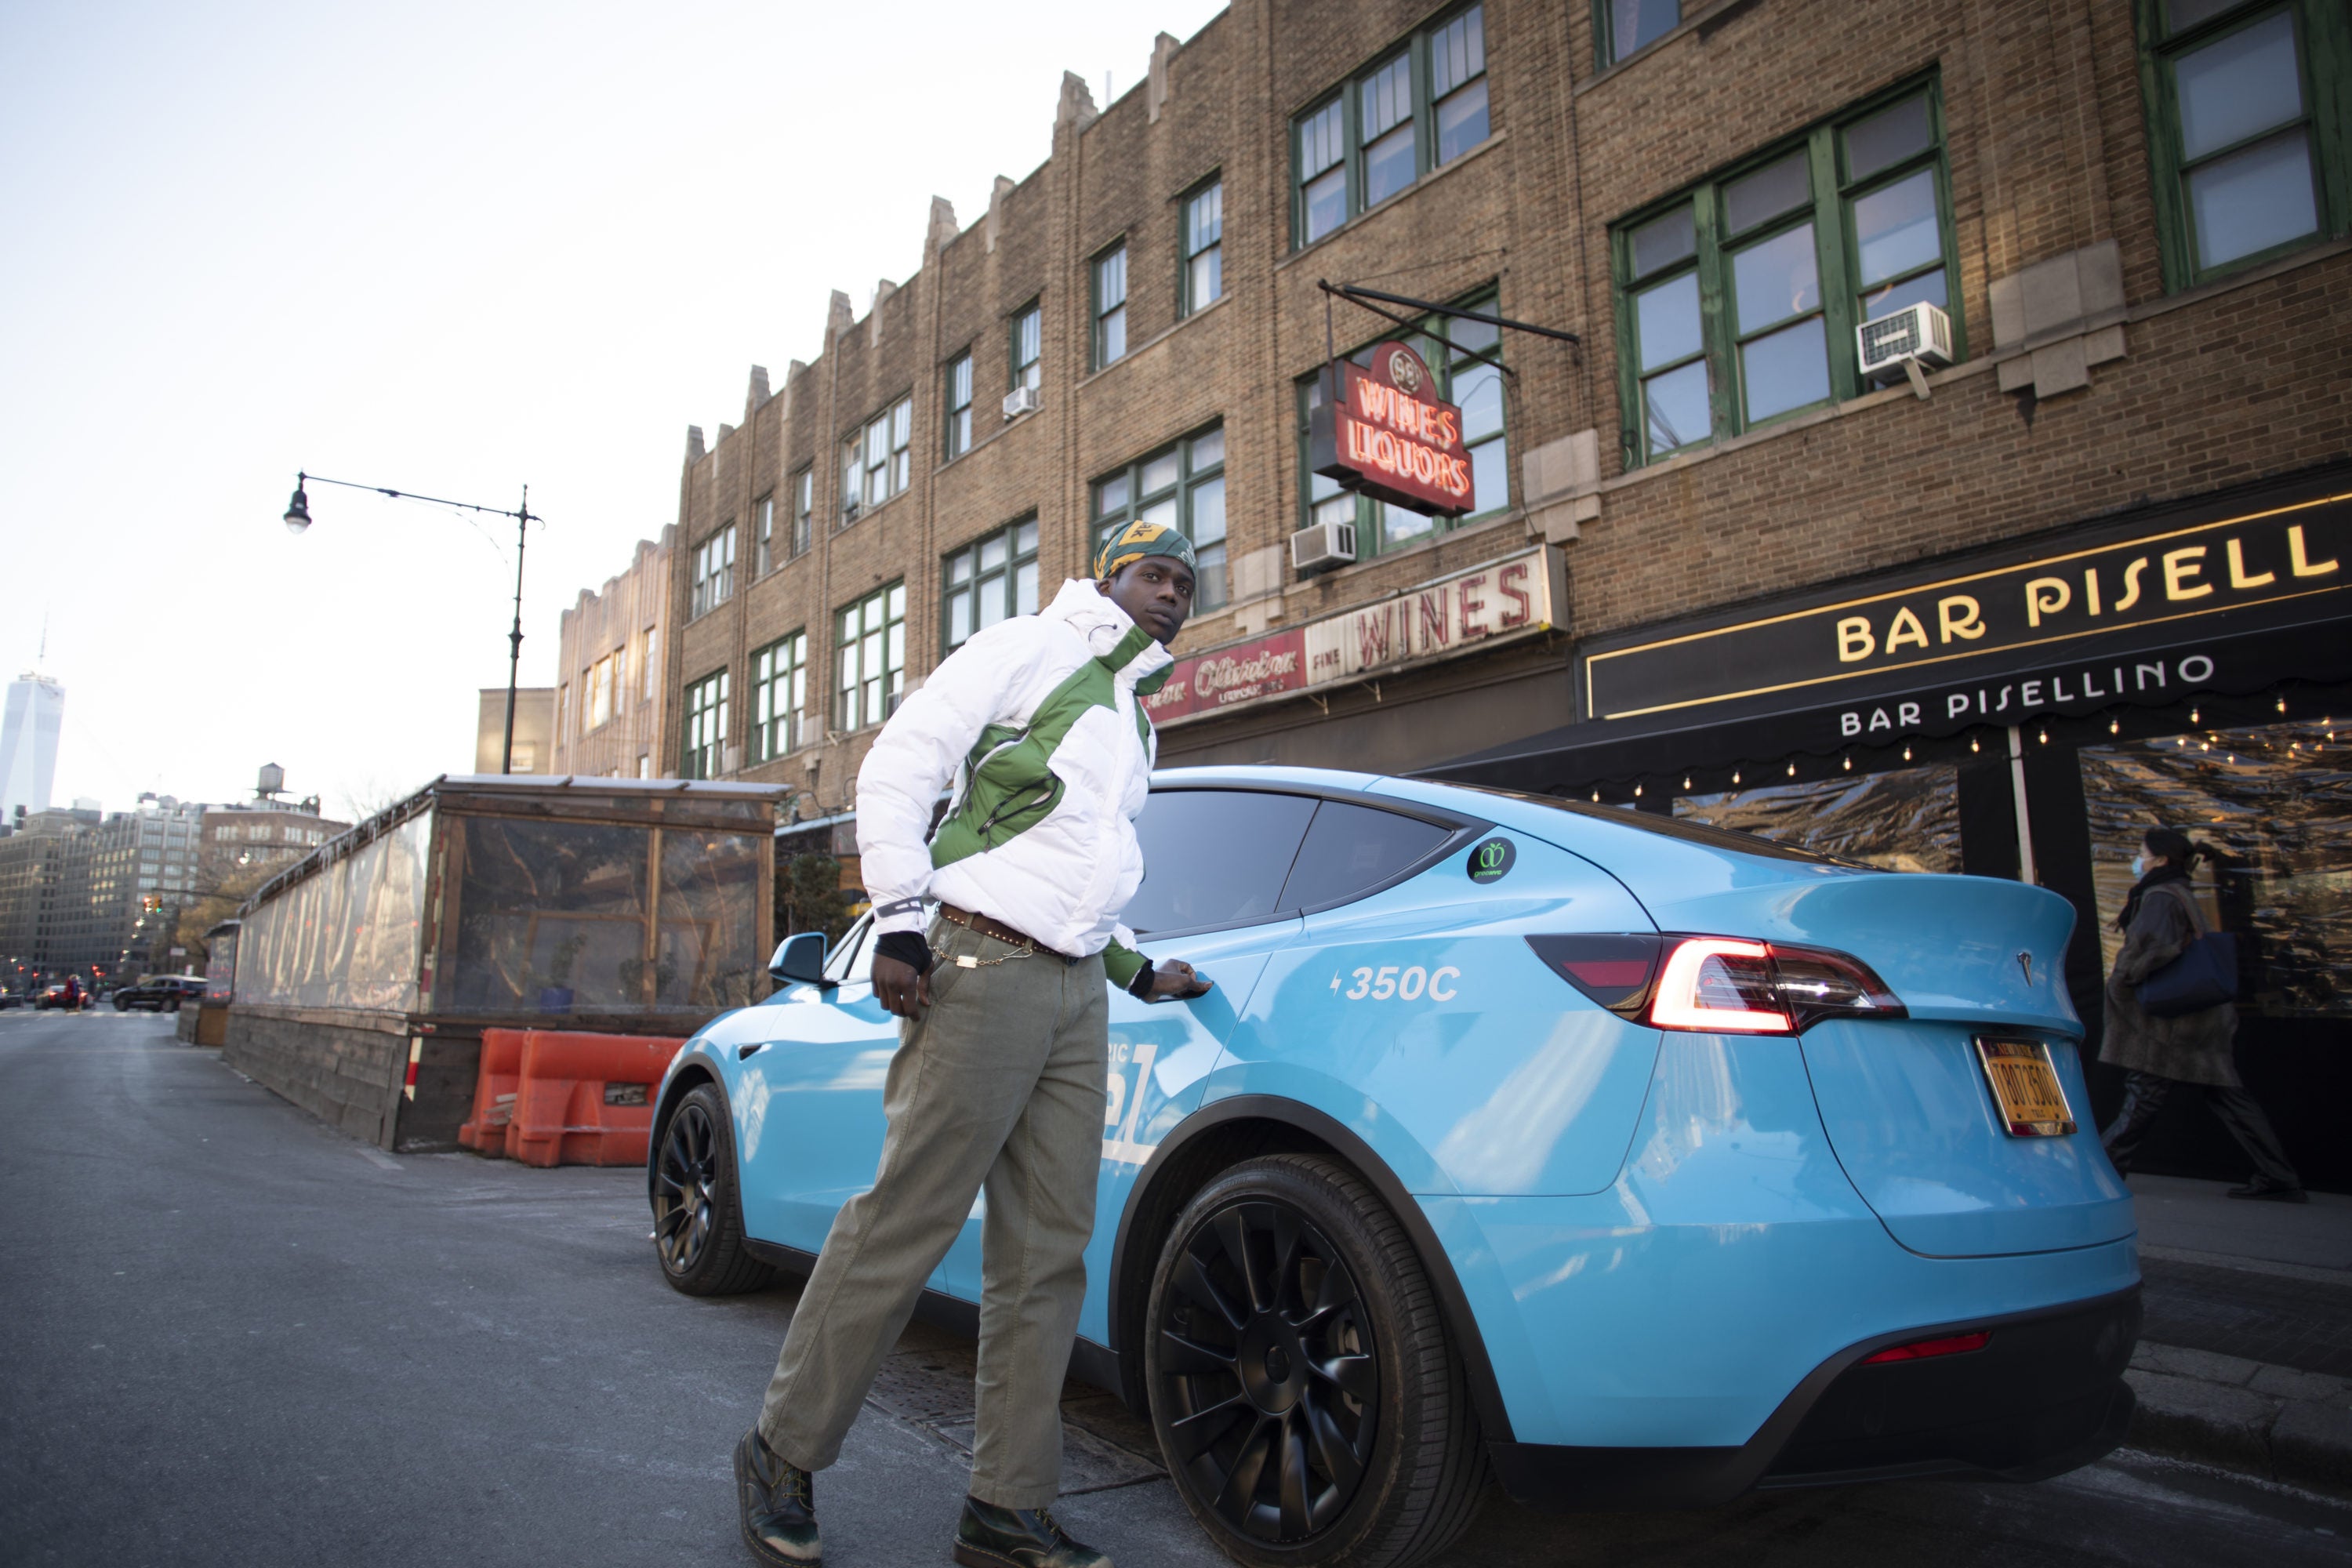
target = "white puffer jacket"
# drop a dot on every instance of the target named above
(1037, 720)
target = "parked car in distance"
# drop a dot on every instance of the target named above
(1632, 1162)
(12, 999)
(59, 996)
(159, 992)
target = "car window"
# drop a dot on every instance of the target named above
(1351, 848)
(1215, 856)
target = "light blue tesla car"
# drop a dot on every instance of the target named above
(1634, 1162)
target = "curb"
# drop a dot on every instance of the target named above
(2270, 1421)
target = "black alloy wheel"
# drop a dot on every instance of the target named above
(1300, 1376)
(697, 1223)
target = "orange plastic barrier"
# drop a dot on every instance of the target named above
(485, 1132)
(585, 1100)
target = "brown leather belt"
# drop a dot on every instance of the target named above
(989, 926)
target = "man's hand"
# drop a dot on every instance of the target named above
(1177, 981)
(901, 987)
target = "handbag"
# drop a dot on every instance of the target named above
(2201, 976)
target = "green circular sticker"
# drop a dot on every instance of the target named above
(1492, 860)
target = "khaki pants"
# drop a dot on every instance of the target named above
(1001, 1082)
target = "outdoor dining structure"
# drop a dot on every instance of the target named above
(366, 973)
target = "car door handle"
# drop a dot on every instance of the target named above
(744, 1053)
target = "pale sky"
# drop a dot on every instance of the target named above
(445, 249)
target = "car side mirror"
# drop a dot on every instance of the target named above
(799, 961)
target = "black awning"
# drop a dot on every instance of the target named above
(2136, 672)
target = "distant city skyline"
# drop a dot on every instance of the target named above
(452, 250)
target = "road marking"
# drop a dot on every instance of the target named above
(376, 1157)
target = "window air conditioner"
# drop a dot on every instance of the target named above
(1019, 401)
(1323, 546)
(1917, 336)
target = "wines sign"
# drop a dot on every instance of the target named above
(1382, 431)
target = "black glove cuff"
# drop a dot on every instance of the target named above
(1140, 986)
(907, 947)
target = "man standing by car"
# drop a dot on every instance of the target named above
(998, 1078)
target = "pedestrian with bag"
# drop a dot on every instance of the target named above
(999, 1081)
(2165, 1028)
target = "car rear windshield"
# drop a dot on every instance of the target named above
(1675, 827)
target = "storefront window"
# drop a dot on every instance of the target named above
(2276, 800)
(1906, 820)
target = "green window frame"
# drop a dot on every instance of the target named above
(2248, 108)
(869, 640)
(1026, 348)
(1737, 298)
(876, 461)
(1624, 28)
(1200, 246)
(1108, 270)
(778, 696)
(1420, 104)
(703, 736)
(1478, 388)
(989, 580)
(1181, 483)
(959, 419)
(713, 572)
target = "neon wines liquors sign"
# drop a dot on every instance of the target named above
(1382, 431)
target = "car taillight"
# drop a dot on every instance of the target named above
(1718, 985)
(1924, 1350)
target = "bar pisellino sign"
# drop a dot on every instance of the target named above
(2067, 593)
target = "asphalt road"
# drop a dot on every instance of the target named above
(230, 1336)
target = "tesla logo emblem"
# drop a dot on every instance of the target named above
(2025, 963)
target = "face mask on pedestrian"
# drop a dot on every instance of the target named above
(2140, 865)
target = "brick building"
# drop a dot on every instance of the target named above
(1997, 616)
(614, 693)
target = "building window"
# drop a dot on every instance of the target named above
(1420, 107)
(1203, 241)
(1182, 484)
(803, 510)
(959, 405)
(778, 696)
(1110, 305)
(1028, 356)
(1463, 379)
(764, 510)
(652, 662)
(714, 572)
(706, 727)
(1623, 28)
(599, 695)
(1737, 301)
(989, 580)
(876, 462)
(563, 710)
(871, 642)
(2245, 138)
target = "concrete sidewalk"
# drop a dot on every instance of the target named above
(2245, 1359)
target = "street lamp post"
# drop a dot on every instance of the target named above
(298, 519)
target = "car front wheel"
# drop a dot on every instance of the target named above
(697, 1219)
(1307, 1399)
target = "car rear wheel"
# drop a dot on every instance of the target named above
(1307, 1399)
(698, 1217)
(120, 1005)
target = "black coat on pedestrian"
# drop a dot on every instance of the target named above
(2195, 1047)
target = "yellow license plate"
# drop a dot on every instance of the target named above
(2025, 1087)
